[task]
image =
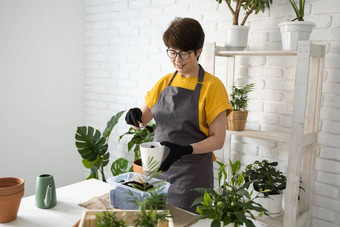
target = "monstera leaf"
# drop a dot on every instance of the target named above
(93, 149)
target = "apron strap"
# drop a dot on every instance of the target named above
(200, 78)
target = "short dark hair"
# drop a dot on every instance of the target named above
(184, 34)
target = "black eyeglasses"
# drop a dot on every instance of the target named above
(183, 54)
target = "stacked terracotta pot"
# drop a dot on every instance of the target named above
(11, 192)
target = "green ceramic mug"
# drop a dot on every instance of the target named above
(45, 193)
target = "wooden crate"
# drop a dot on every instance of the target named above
(89, 217)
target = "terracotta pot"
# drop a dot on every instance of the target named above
(137, 166)
(11, 192)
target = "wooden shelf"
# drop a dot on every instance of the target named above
(223, 52)
(264, 135)
(302, 137)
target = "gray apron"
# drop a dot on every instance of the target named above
(176, 116)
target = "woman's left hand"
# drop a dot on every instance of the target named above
(176, 152)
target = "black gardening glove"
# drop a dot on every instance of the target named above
(176, 152)
(134, 117)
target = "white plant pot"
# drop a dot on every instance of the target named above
(237, 38)
(294, 31)
(207, 222)
(273, 203)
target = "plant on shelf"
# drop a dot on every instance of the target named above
(268, 181)
(237, 118)
(297, 29)
(249, 6)
(299, 10)
(92, 145)
(139, 136)
(231, 203)
(238, 32)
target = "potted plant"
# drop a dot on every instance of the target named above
(11, 192)
(297, 29)
(139, 136)
(232, 204)
(139, 187)
(237, 34)
(237, 118)
(92, 145)
(268, 181)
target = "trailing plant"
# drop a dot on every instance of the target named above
(92, 145)
(139, 136)
(249, 6)
(299, 10)
(232, 203)
(239, 97)
(265, 177)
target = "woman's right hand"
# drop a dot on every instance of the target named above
(134, 117)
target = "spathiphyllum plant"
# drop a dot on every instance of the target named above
(299, 10)
(249, 6)
(231, 203)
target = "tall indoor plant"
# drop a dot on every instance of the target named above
(237, 118)
(237, 34)
(268, 181)
(92, 145)
(231, 203)
(297, 29)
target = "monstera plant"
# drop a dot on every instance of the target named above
(92, 145)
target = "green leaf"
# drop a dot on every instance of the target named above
(111, 124)
(215, 223)
(119, 166)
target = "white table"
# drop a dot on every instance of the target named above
(66, 212)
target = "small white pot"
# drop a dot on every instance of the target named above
(237, 38)
(294, 31)
(207, 222)
(273, 203)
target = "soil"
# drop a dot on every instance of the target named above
(139, 185)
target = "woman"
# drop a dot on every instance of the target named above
(189, 107)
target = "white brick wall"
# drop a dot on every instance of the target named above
(125, 56)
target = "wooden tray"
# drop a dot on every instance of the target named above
(89, 217)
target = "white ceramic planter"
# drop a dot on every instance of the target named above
(294, 31)
(273, 203)
(207, 222)
(237, 38)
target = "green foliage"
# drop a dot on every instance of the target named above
(93, 148)
(249, 6)
(106, 219)
(299, 11)
(119, 166)
(139, 136)
(149, 217)
(239, 96)
(232, 202)
(265, 177)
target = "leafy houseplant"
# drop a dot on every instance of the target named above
(92, 145)
(139, 136)
(265, 177)
(249, 6)
(232, 203)
(236, 119)
(268, 181)
(237, 38)
(296, 30)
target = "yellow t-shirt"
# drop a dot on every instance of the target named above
(212, 101)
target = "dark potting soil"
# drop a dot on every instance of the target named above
(135, 184)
